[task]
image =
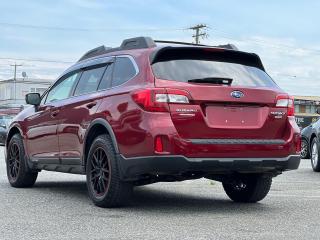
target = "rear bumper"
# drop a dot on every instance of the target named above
(133, 168)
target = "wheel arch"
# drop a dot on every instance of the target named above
(97, 127)
(12, 131)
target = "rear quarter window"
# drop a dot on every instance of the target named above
(123, 71)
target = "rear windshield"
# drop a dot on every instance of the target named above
(184, 70)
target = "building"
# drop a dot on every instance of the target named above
(305, 110)
(12, 92)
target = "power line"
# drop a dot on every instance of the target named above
(226, 35)
(198, 34)
(57, 28)
(35, 60)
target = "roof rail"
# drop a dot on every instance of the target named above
(226, 46)
(95, 52)
(139, 43)
(176, 42)
(127, 44)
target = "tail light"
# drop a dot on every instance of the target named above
(162, 144)
(158, 99)
(287, 102)
(158, 145)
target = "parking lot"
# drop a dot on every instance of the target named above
(58, 207)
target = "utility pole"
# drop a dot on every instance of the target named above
(15, 65)
(197, 28)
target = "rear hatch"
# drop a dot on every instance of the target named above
(230, 95)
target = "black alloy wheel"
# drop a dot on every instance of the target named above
(19, 174)
(13, 161)
(105, 186)
(99, 172)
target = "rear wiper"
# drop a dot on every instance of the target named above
(213, 80)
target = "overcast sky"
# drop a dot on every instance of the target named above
(284, 33)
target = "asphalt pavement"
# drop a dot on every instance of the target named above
(58, 207)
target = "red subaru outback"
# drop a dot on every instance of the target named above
(155, 111)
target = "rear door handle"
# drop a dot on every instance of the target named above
(91, 105)
(54, 113)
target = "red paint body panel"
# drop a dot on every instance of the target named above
(211, 114)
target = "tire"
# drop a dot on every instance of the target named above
(104, 185)
(304, 149)
(248, 188)
(18, 172)
(315, 161)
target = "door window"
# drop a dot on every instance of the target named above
(63, 89)
(106, 79)
(89, 81)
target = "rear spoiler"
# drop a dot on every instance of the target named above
(168, 53)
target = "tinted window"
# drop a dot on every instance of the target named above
(63, 89)
(123, 71)
(106, 79)
(89, 81)
(189, 63)
(188, 69)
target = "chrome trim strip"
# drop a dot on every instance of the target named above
(228, 141)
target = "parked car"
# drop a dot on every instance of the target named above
(305, 144)
(4, 125)
(152, 111)
(310, 146)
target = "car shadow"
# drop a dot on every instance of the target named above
(161, 201)
(147, 199)
(73, 189)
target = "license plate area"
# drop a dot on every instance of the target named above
(237, 117)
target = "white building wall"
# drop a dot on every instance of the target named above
(12, 94)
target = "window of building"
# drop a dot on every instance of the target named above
(308, 109)
(89, 81)
(124, 70)
(302, 108)
(296, 108)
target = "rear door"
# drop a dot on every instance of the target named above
(78, 111)
(231, 96)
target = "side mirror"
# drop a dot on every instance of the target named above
(33, 99)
